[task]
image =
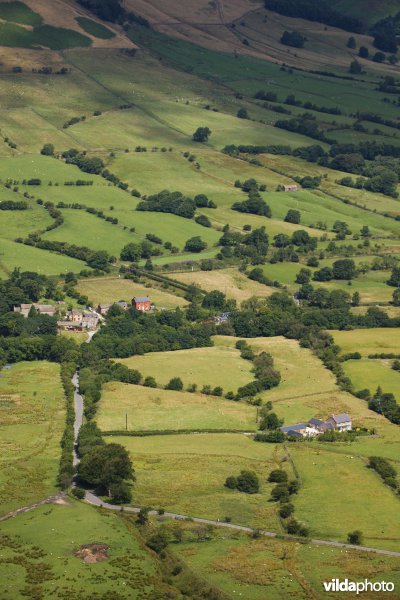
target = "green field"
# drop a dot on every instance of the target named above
(367, 373)
(96, 29)
(18, 12)
(44, 542)
(331, 510)
(218, 366)
(32, 409)
(14, 255)
(55, 38)
(105, 290)
(186, 474)
(253, 568)
(368, 341)
(155, 409)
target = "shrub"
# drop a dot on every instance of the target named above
(278, 476)
(175, 383)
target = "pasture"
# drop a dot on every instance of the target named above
(105, 290)
(320, 506)
(216, 366)
(18, 12)
(154, 409)
(367, 373)
(14, 255)
(186, 474)
(253, 568)
(368, 341)
(32, 412)
(230, 281)
(44, 542)
(94, 28)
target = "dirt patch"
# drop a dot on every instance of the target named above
(92, 553)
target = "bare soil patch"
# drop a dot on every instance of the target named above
(92, 553)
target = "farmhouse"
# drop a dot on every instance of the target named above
(142, 303)
(341, 422)
(42, 309)
(103, 309)
(315, 427)
(79, 320)
(290, 188)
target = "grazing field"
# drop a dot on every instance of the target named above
(253, 568)
(44, 542)
(154, 409)
(111, 289)
(317, 504)
(186, 474)
(96, 29)
(217, 366)
(18, 12)
(368, 341)
(14, 255)
(230, 281)
(368, 373)
(55, 38)
(32, 409)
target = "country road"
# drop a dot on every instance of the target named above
(94, 500)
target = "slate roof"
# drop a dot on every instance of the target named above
(296, 427)
(342, 418)
(143, 299)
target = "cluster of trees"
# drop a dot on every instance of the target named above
(385, 404)
(266, 377)
(281, 493)
(130, 332)
(169, 202)
(293, 38)
(107, 467)
(252, 246)
(394, 279)
(13, 205)
(133, 252)
(202, 134)
(315, 10)
(342, 269)
(108, 10)
(305, 124)
(86, 164)
(300, 239)
(247, 482)
(383, 467)
(254, 204)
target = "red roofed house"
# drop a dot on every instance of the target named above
(142, 304)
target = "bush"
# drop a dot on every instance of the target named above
(195, 244)
(175, 383)
(231, 482)
(286, 510)
(78, 493)
(278, 476)
(355, 537)
(150, 382)
(248, 482)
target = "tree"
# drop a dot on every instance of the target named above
(344, 268)
(280, 493)
(303, 276)
(103, 466)
(120, 493)
(396, 297)
(47, 150)
(355, 67)
(195, 244)
(201, 134)
(351, 43)
(363, 52)
(131, 252)
(394, 279)
(109, 10)
(231, 482)
(355, 299)
(248, 482)
(286, 510)
(242, 113)
(150, 382)
(293, 216)
(293, 38)
(379, 57)
(278, 476)
(355, 537)
(175, 383)
(270, 421)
